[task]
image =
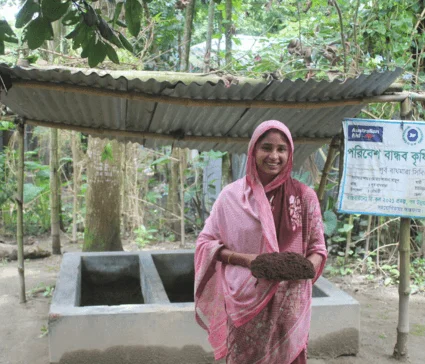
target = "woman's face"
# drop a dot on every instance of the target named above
(271, 155)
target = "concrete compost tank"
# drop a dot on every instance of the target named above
(119, 308)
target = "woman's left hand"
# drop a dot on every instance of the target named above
(316, 259)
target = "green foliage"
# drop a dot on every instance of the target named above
(36, 193)
(330, 222)
(162, 160)
(44, 289)
(133, 14)
(54, 9)
(107, 153)
(338, 268)
(91, 30)
(418, 330)
(303, 177)
(37, 32)
(417, 275)
(26, 13)
(44, 331)
(31, 192)
(6, 35)
(144, 235)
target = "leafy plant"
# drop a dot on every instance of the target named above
(338, 268)
(330, 222)
(144, 235)
(417, 275)
(44, 331)
(45, 290)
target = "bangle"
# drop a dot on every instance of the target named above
(228, 259)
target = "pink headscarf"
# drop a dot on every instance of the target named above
(241, 220)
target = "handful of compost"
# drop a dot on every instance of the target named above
(285, 266)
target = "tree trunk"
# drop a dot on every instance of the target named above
(229, 30)
(210, 31)
(219, 26)
(54, 192)
(103, 196)
(184, 62)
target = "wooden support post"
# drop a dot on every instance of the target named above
(182, 227)
(54, 192)
(20, 211)
(333, 147)
(400, 349)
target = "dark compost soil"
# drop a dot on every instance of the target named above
(286, 266)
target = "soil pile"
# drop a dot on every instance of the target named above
(286, 266)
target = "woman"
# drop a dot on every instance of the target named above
(250, 320)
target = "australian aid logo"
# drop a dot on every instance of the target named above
(365, 133)
(413, 135)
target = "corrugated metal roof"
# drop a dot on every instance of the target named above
(71, 108)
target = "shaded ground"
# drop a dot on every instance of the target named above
(22, 326)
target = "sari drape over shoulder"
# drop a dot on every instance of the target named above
(250, 320)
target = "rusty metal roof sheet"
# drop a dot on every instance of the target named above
(166, 111)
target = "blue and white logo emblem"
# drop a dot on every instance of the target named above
(413, 136)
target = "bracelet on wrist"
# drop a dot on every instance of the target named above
(228, 259)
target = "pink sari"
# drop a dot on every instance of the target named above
(251, 321)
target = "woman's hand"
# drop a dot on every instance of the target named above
(316, 260)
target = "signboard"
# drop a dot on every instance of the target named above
(384, 168)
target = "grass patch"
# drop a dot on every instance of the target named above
(418, 330)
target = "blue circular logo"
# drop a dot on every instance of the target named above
(412, 135)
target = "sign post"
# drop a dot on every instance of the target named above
(384, 170)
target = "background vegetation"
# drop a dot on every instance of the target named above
(293, 40)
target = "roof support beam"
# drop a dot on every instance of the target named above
(170, 137)
(140, 96)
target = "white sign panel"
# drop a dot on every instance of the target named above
(384, 168)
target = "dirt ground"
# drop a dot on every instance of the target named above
(23, 327)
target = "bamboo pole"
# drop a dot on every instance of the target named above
(378, 239)
(349, 233)
(333, 147)
(261, 104)
(170, 137)
(54, 193)
(124, 199)
(182, 227)
(75, 161)
(400, 349)
(20, 211)
(366, 253)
